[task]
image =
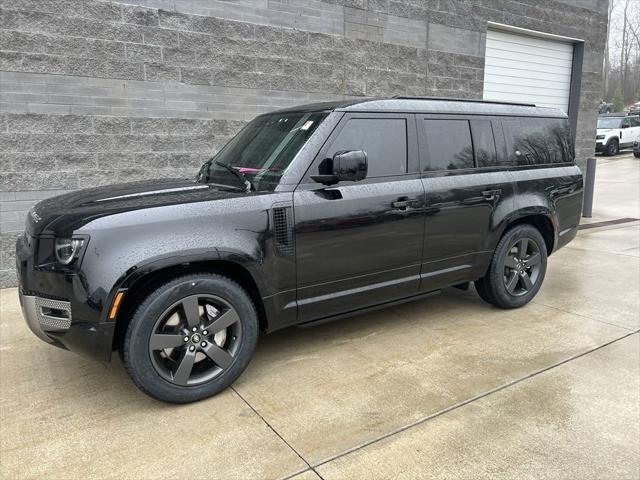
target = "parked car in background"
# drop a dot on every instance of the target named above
(604, 107)
(615, 131)
(635, 109)
(309, 214)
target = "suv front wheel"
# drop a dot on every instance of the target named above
(191, 338)
(613, 147)
(517, 268)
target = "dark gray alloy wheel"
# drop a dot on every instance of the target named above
(613, 147)
(195, 339)
(517, 268)
(191, 338)
(522, 267)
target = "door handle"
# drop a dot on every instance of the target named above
(403, 203)
(491, 195)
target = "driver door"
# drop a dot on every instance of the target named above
(359, 243)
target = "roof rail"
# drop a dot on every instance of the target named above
(451, 99)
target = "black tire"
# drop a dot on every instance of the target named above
(510, 264)
(613, 147)
(170, 313)
(636, 154)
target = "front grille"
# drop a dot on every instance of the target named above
(53, 315)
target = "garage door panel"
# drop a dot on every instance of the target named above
(554, 95)
(561, 62)
(527, 68)
(520, 69)
(519, 48)
(532, 82)
(528, 40)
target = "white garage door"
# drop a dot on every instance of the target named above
(521, 68)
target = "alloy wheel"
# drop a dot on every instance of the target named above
(522, 267)
(195, 340)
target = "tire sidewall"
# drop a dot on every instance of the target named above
(499, 288)
(136, 346)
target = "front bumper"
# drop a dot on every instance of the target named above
(600, 147)
(44, 315)
(60, 309)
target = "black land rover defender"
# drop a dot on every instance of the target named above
(308, 214)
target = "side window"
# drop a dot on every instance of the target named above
(484, 144)
(383, 139)
(448, 144)
(538, 141)
(626, 122)
(635, 121)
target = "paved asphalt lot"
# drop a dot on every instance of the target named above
(444, 387)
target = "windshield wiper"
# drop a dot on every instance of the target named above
(241, 176)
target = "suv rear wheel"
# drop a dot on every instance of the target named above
(517, 268)
(191, 338)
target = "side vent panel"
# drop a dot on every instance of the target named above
(283, 229)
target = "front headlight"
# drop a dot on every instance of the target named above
(599, 137)
(68, 249)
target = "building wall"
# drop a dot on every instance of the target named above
(96, 92)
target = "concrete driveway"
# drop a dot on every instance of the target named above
(444, 387)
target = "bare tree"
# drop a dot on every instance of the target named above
(622, 59)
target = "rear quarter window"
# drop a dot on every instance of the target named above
(538, 141)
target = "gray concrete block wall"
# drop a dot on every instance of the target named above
(93, 92)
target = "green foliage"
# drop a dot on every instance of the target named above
(618, 101)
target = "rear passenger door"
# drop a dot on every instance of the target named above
(467, 189)
(359, 243)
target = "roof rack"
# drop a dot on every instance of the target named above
(451, 99)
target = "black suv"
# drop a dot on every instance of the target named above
(308, 214)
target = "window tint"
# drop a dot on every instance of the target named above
(538, 141)
(483, 143)
(384, 140)
(448, 144)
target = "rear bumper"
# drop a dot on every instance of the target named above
(565, 237)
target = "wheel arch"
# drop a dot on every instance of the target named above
(142, 282)
(543, 222)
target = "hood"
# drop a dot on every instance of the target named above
(65, 213)
(603, 131)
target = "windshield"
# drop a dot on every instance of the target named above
(609, 122)
(262, 151)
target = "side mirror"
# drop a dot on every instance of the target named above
(625, 125)
(345, 166)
